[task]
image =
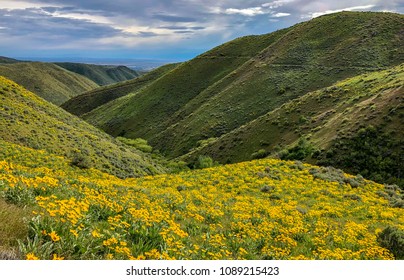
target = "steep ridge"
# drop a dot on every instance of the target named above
(28, 120)
(356, 125)
(242, 80)
(100, 74)
(90, 100)
(47, 80)
(147, 112)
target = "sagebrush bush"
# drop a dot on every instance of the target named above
(301, 151)
(205, 162)
(259, 154)
(82, 161)
(138, 143)
(392, 238)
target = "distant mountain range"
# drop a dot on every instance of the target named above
(58, 82)
(132, 63)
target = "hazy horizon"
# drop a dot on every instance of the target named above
(137, 64)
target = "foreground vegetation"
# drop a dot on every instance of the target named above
(264, 209)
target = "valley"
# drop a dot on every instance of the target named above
(282, 146)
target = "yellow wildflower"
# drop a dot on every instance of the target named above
(95, 234)
(74, 232)
(54, 236)
(56, 257)
(31, 256)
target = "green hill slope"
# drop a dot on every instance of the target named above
(356, 125)
(47, 80)
(242, 80)
(101, 74)
(28, 120)
(88, 101)
(147, 112)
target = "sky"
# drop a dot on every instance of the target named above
(172, 30)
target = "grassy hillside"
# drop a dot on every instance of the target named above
(266, 209)
(147, 112)
(47, 80)
(30, 121)
(7, 60)
(356, 124)
(88, 101)
(101, 74)
(242, 80)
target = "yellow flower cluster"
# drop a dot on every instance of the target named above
(264, 209)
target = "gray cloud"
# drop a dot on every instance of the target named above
(35, 23)
(147, 34)
(184, 32)
(171, 18)
(177, 27)
(135, 25)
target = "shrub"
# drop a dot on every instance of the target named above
(177, 166)
(372, 152)
(205, 142)
(259, 154)
(181, 188)
(355, 182)
(19, 195)
(205, 162)
(138, 143)
(332, 174)
(302, 150)
(81, 161)
(266, 189)
(392, 239)
(353, 197)
(394, 195)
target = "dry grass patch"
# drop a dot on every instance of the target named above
(12, 228)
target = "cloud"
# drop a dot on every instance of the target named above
(173, 18)
(181, 27)
(355, 8)
(276, 4)
(138, 26)
(82, 16)
(281, 15)
(184, 32)
(250, 12)
(35, 21)
(173, 27)
(147, 34)
(19, 5)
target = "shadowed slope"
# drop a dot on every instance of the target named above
(88, 101)
(101, 74)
